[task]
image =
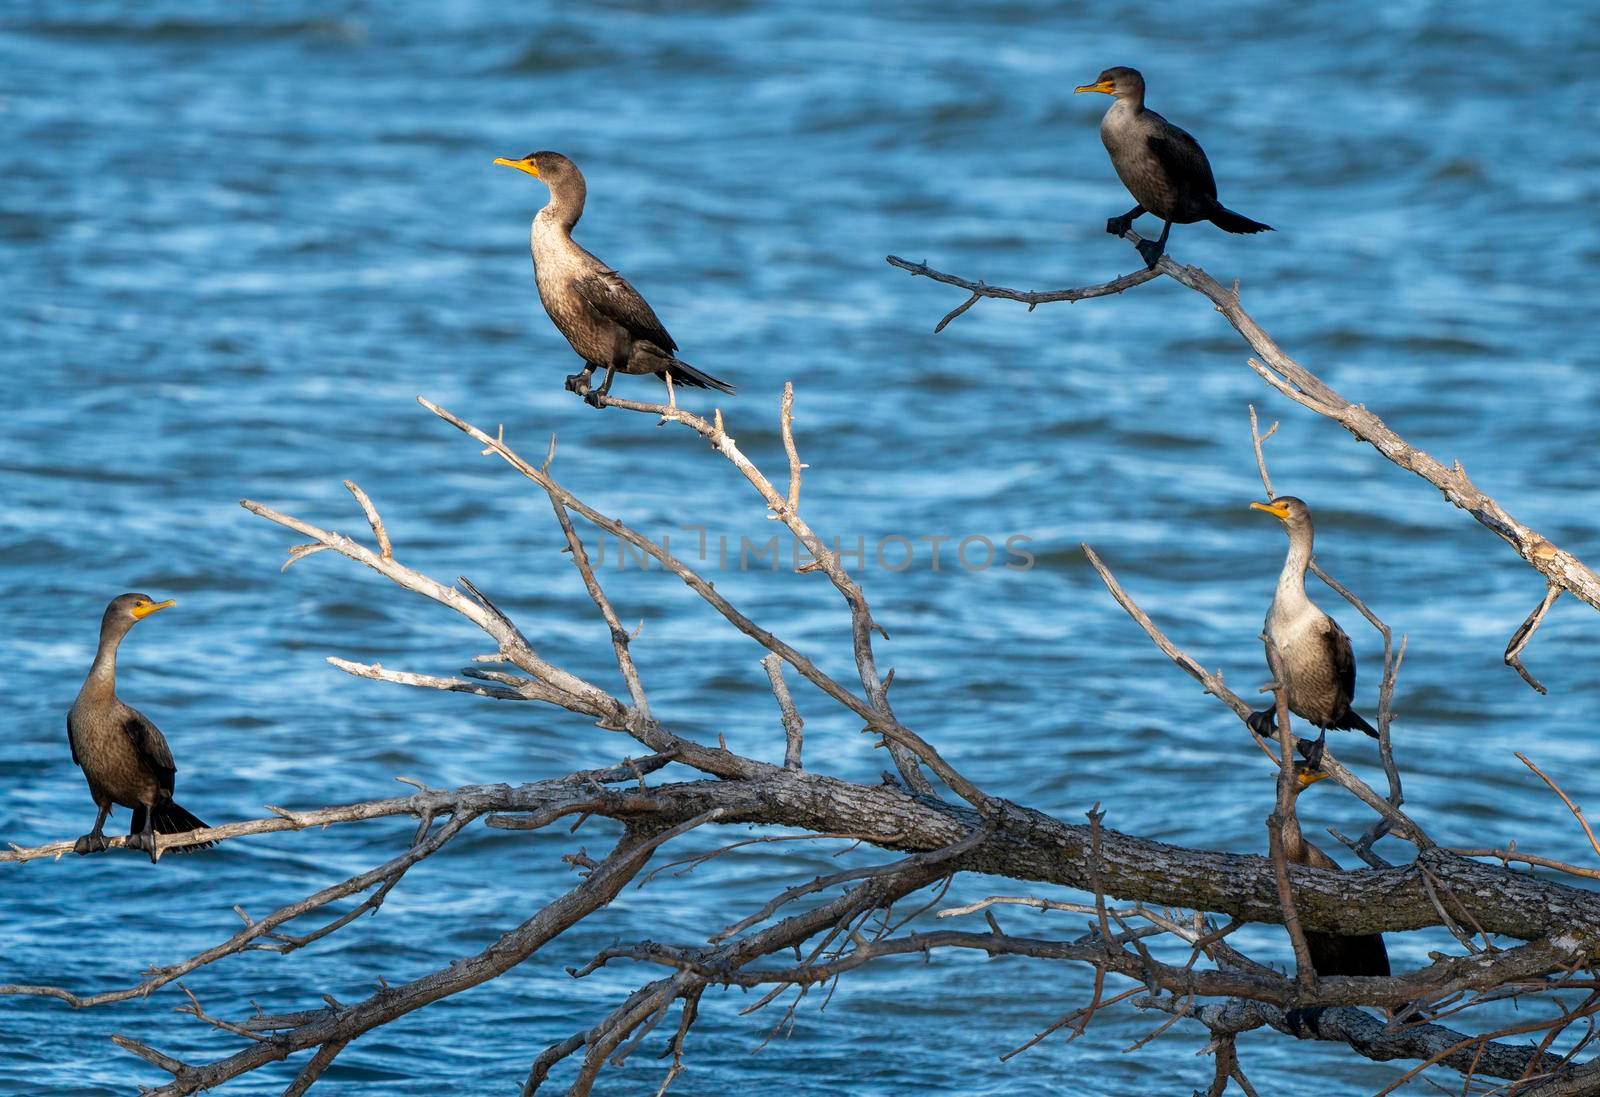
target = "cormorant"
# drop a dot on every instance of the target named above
(1319, 667)
(1163, 167)
(603, 317)
(122, 754)
(1331, 953)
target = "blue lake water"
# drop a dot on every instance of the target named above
(239, 240)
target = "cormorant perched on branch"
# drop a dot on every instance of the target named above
(603, 317)
(1164, 168)
(124, 756)
(1318, 663)
(1331, 953)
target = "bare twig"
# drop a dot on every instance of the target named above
(259, 930)
(579, 694)
(793, 726)
(1524, 634)
(1512, 855)
(619, 635)
(1030, 298)
(385, 549)
(343, 1024)
(281, 820)
(875, 709)
(1577, 812)
(1283, 816)
(313, 1069)
(786, 424)
(1033, 901)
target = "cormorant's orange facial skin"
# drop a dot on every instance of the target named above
(145, 609)
(1103, 86)
(1308, 777)
(1277, 510)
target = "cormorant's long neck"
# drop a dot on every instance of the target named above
(1133, 101)
(1298, 851)
(101, 684)
(1291, 594)
(1294, 846)
(565, 207)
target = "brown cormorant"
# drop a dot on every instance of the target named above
(1164, 168)
(603, 317)
(1318, 666)
(1331, 953)
(122, 754)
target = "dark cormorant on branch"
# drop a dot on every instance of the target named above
(1318, 664)
(124, 756)
(1164, 168)
(603, 317)
(1331, 953)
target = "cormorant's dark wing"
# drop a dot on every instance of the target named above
(1343, 659)
(610, 294)
(151, 746)
(72, 746)
(1182, 158)
(1361, 954)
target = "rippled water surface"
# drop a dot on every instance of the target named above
(239, 240)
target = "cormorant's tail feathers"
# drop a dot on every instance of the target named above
(685, 374)
(1265, 724)
(1354, 722)
(171, 819)
(1228, 221)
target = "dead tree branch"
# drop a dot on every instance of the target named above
(1561, 569)
(812, 933)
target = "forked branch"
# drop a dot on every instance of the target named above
(1561, 569)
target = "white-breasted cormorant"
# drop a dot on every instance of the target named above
(603, 317)
(1163, 167)
(122, 754)
(1317, 661)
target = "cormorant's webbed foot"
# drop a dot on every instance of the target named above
(594, 397)
(1263, 723)
(1116, 226)
(1304, 1021)
(578, 382)
(1152, 251)
(145, 840)
(93, 842)
(1313, 753)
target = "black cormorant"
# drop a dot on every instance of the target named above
(1163, 167)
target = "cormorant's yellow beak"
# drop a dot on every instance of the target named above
(1277, 510)
(1104, 87)
(521, 165)
(141, 612)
